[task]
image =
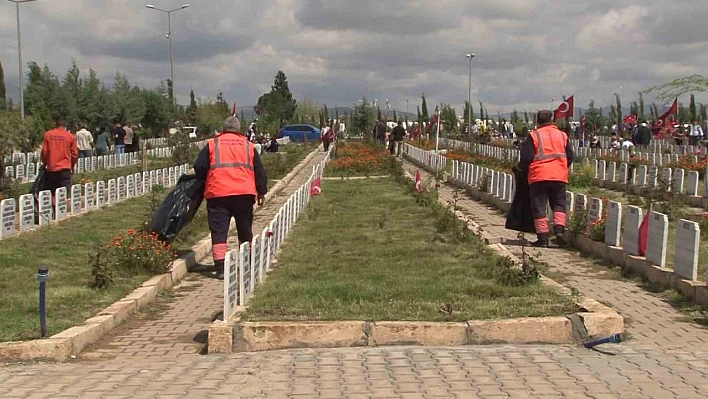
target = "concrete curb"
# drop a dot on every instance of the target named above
(594, 320)
(71, 342)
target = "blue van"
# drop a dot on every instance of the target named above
(298, 133)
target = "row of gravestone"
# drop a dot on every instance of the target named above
(500, 184)
(675, 180)
(429, 158)
(655, 147)
(78, 201)
(246, 268)
(28, 172)
(688, 233)
(30, 157)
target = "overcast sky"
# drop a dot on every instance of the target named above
(335, 51)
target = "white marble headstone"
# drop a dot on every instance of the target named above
(595, 213)
(120, 182)
(692, 188)
(62, 206)
(613, 225)
(678, 181)
(688, 239)
(658, 236)
(100, 194)
(89, 196)
(76, 199)
(634, 219)
(45, 207)
(8, 209)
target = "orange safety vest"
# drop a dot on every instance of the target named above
(550, 162)
(230, 167)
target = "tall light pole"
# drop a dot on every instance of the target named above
(19, 56)
(469, 98)
(408, 100)
(169, 36)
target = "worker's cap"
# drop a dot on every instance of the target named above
(232, 124)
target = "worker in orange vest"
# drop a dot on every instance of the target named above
(60, 153)
(235, 179)
(547, 156)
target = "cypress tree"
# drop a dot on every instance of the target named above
(425, 109)
(3, 93)
(692, 107)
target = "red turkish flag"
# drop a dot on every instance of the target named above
(418, 182)
(644, 235)
(661, 122)
(433, 123)
(630, 119)
(316, 188)
(565, 109)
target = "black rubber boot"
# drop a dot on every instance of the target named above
(542, 241)
(219, 269)
(560, 235)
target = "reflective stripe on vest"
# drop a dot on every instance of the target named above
(217, 155)
(541, 153)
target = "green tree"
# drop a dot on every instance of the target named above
(593, 117)
(515, 116)
(618, 109)
(192, 109)
(667, 92)
(424, 108)
(378, 115)
(481, 111)
(278, 105)
(704, 113)
(692, 108)
(170, 90)
(306, 110)
(157, 116)
(363, 120)
(449, 119)
(3, 92)
(395, 117)
(641, 105)
(613, 115)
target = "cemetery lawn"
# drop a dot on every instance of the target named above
(365, 250)
(65, 248)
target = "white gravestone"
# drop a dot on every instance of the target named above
(61, 196)
(137, 178)
(231, 283)
(165, 178)
(158, 178)
(10, 172)
(692, 188)
(45, 207)
(256, 260)
(100, 162)
(171, 176)
(678, 180)
(666, 178)
(112, 194)
(688, 239)
(76, 199)
(652, 177)
(613, 225)
(26, 212)
(130, 186)
(623, 173)
(658, 235)
(8, 207)
(153, 179)
(120, 182)
(596, 166)
(20, 173)
(100, 194)
(613, 171)
(111, 161)
(595, 213)
(581, 203)
(267, 242)
(89, 196)
(601, 172)
(94, 161)
(244, 273)
(643, 175)
(510, 188)
(31, 172)
(570, 201)
(80, 165)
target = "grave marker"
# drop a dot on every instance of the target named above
(89, 196)
(601, 172)
(677, 182)
(121, 188)
(62, 210)
(666, 179)
(245, 275)
(8, 209)
(31, 171)
(45, 207)
(658, 235)
(688, 238)
(623, 173)
(112, 195)
(643, 175)
(76, 199)
(165, 178)
(595, 213)
(231, 283)
(613, 171)
(137, 178)
(613, 225)
(26, 212)
(256, 262)
(20, 173)
(652, 177)
(693, 178)
(570, 201)
(581, 203)
(130, 186)
(100, 194)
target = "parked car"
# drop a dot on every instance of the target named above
(298, 133)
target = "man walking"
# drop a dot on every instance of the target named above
(235, 178)
(103, 143)
(380, 131)
(696, 133)
(128, 141)
(59, 155)
(546, 156)
(398, 133)
(119, 138)
(84, 140)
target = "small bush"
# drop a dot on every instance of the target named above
(581, 178)
(102, 273)
(578, 222)
(596, 230)
(509, 274)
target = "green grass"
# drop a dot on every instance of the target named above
(66, 247)
(365, 250)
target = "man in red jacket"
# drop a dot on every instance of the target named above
(59, 155)
(547, 156)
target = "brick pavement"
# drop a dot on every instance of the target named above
(182, 327)
(664, 360)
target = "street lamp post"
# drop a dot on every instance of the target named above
(407, 103)
(19, 56)
(469, 98)
(169, 36)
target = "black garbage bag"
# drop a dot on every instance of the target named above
(520, 217)
(178, 209)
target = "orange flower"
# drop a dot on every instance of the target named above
(131, 232)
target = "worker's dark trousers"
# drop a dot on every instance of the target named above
(220, 211)
(548, 193)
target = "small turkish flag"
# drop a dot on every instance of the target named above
(630, 119)
(644, 235)
(316, 188)
(418, 181)
(566, 109)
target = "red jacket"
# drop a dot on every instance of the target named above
(59, 150)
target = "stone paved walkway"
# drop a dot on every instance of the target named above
(666, 359)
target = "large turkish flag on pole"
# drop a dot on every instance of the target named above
(661, 122)
(565, 109)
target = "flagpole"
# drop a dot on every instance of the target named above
(437, 136)
(554, 114)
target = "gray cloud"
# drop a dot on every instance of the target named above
(336, 51)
